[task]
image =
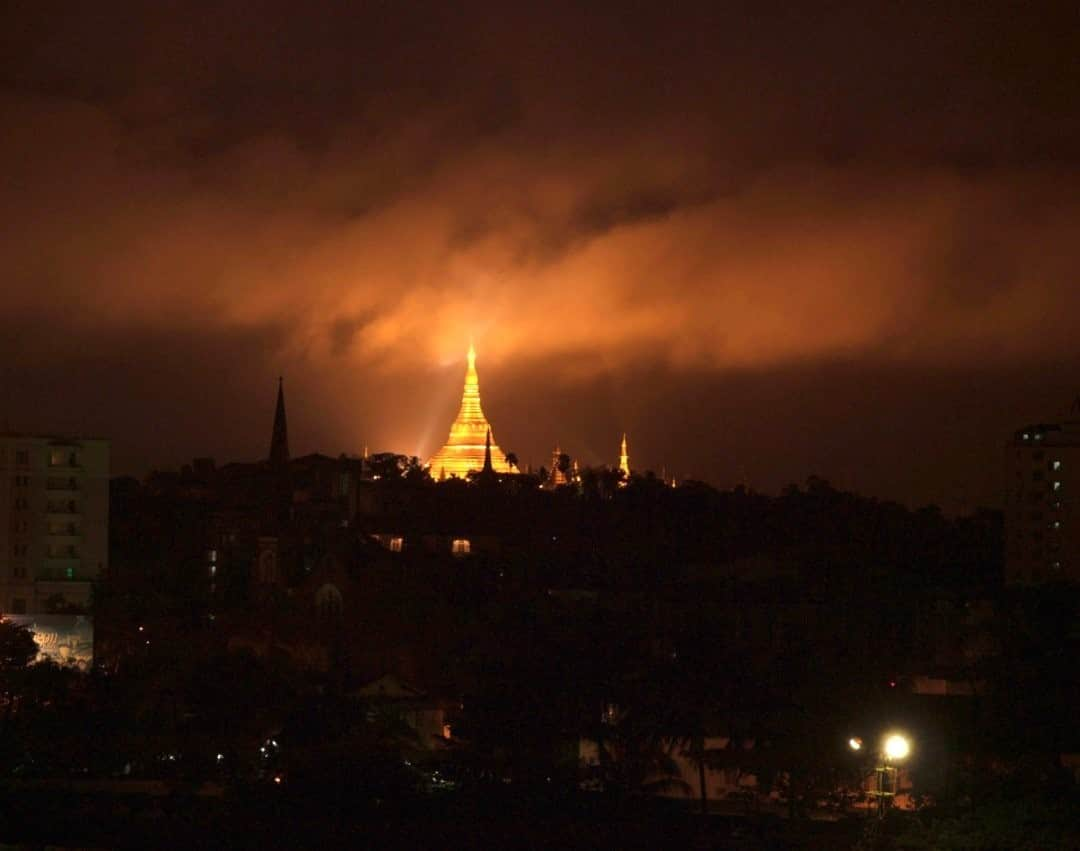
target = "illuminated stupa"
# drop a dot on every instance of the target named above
(465, 448)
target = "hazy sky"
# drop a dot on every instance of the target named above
(764, 242)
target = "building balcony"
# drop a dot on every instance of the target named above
(60, 570)
(64, 458)
(62, 510)
(70, 535)
(72, 590)
(59, 487)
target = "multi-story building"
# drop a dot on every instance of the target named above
(54, 520)
(1042, 510)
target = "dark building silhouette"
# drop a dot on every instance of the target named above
(1042, 529)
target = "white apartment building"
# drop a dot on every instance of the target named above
(54, 520)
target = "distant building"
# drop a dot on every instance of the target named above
(466, 446)
(1042, 511)
(426, 716)
(54, 521)
(556, 478)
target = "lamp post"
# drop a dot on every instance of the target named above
(895, 747)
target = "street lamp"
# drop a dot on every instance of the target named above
(895, 748)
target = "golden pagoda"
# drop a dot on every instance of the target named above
(556, 477)
(467, 445)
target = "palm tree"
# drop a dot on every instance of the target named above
(634, 754)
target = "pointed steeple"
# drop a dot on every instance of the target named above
(488, 470)
(279, 441)
(624, 460)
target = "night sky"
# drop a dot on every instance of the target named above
(764, 242)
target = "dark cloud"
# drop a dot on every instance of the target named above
(645, 217)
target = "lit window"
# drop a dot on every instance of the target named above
(1056, 524)
(69, 572)
(1055, 465)
(1027, 436)
(460, 546)
(1057, 486)
(396, 544)
(1055, 565)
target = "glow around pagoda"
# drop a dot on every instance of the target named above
(465, 448)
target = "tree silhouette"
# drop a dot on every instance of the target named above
(563, 464)
(17, 647)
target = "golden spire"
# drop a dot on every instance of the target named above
(465, 448)
(556, 477)
(624, 460)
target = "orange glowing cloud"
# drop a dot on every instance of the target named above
(558, 252)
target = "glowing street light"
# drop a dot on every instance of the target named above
(897, 747)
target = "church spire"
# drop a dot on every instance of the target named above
(279, 441)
